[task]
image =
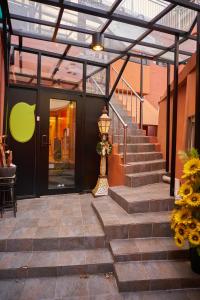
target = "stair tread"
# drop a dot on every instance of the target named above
(143, 245)
(146, 173)
(137, 153)
(12, 260)
(146, 162)
(154, 270)
(112, 214)
(144, 193)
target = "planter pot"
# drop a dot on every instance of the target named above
(7, 171)
(195, 260)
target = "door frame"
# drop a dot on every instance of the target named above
(43, 128)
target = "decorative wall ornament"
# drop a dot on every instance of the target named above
(22, 122)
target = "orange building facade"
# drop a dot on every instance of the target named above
(185, 113)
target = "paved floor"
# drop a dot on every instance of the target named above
(52, 217)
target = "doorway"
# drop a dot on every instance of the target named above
(62, 131)
(57, 164)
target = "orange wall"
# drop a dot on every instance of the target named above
(154, 80)
(186, 108)
(2, 85)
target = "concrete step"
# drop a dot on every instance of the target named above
(148, 166)
(143, 156)
(155, 275)
(144, 178)
(54, 263)
(131, 131)
(132, 139)
(147, 249)
(145, 147)
(48, 242)
(118, 224)
(148, 198)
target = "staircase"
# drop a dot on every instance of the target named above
(135, 217)
(142, 162)
(136, 224)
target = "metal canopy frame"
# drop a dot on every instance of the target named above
(109, 16)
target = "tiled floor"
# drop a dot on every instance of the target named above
(94, 287)
(52, 217)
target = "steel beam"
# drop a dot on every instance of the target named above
(118, 77)
(197, 102)
(174, 118)
(168, 118)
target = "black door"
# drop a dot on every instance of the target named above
(57, 169)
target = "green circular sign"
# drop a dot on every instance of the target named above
(22, 122)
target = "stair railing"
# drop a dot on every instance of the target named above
(129, 98)
(118, 126)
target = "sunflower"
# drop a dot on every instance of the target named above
(193, 224)
(180, 230)
(192, 166)
(182, 215)
(194, 238)
(185, 190)
(193, 200)
(179, 240)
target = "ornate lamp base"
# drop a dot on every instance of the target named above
(101, 188)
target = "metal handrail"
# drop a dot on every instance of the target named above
(128, 85)
(124, 125)
(129, 98)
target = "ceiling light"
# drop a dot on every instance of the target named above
(97, 41)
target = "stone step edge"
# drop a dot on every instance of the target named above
(52, 243)
(169, 253)
(141, 174)
(147, 162)
(163, 283)
(42, 269)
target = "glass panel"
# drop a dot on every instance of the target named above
(125, 30)
(179, 18)
(32, 28)
(116, 45)
(24, 69)
(62, 122)
(170, 56)
(141, 9)
(34, 10)
(14, 39)
(159, 38)
(96, 84)
(61, 73)
(44, 45)
(145, 50)
(68, 35)
(100, 4)
(88, 54)
(188, 45)
(81, 20)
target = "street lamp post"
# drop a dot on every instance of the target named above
(104, 148)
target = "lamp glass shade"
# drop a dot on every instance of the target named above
(104, 123)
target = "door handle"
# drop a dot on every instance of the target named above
(45, 140)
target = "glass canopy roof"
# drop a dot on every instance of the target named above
(145, 28)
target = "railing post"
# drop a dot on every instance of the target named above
(125, 143)
(141, 94)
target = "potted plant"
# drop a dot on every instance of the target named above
(7, 169)
(185, 220)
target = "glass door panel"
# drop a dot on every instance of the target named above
(62, 120)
